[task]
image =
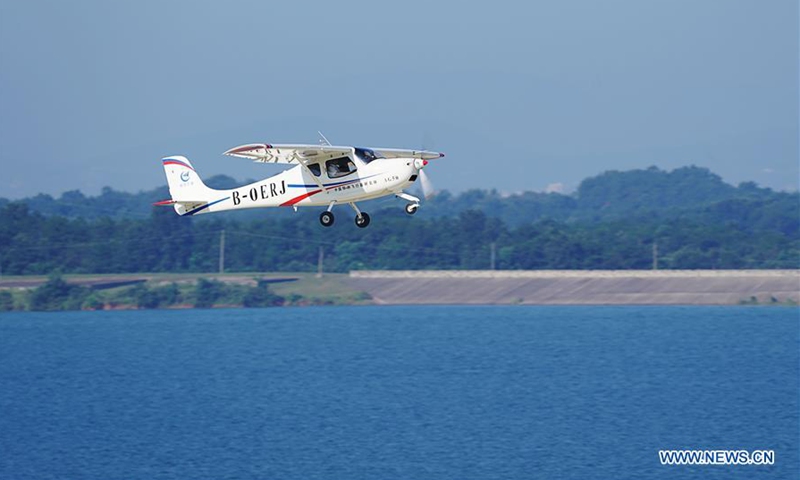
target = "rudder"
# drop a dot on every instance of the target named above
(185, 185)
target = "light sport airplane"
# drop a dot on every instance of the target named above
(324, 176)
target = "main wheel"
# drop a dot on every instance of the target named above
(326, 219)
(411, 208)
(362, 220)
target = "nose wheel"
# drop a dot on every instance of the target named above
(326, 219)
(411, 208)
(362, 220)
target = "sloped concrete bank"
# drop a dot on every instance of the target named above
(572, 287)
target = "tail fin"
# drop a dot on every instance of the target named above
(184, 183)
(185, 186)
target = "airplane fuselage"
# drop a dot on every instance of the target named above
(298, 187)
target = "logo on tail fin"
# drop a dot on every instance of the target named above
(185, 176)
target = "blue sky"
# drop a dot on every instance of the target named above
(519, 95)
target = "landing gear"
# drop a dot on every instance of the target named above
(413, 205)
(326, 219)
(362, 220)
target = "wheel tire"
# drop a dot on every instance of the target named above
(411, 208)
(362, 220)
(326, 219)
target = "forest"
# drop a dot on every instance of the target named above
(687, 218)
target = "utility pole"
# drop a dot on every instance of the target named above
(655, 256)
(319, 261)
(222, 251)
(493, 255)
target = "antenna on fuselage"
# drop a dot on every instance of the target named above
(322, 140)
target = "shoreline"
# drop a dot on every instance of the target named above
(439, 287)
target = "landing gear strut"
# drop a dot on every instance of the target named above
(413, 205)
(326, 218)
(362, 218)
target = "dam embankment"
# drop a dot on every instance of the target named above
(573, 287)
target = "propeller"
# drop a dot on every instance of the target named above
(425, 183)
(427, 186)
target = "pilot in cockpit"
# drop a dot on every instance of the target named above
(333, 170)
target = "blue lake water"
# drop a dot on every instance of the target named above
(397, 392)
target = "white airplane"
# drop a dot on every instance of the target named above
(324, 176)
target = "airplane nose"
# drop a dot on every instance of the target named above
(419, 163)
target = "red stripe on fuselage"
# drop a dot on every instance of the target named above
(302, 197)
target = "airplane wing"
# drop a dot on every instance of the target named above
(400, 153)
(303, 155)
(297, 154)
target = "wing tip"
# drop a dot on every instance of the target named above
(241, 149)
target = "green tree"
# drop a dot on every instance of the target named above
(56, 294)
(207, 292)
(92, 302)
(6, 301)
(260, 296)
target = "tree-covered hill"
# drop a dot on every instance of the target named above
(31, 243)
(653, 189)
(611, 195)
(613, 221)
(682, 192)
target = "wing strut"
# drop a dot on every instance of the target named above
(305, 167)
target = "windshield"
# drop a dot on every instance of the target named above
(367, 155)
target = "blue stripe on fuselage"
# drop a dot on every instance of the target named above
(328, 185)
(203, 207)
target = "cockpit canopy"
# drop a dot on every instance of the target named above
(367, 155)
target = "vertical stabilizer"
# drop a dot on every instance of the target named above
(185, 185)
(189, 194)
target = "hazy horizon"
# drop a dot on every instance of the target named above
(520, 97)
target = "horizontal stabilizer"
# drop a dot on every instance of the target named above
(181, 202)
